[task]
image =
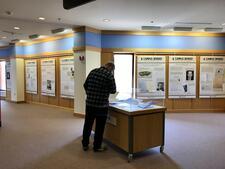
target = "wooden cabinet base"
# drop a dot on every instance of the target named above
(136, 131)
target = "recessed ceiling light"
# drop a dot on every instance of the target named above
(223, 24)
(16, 28)
(106, 20)
(41, 18)
(4, 37)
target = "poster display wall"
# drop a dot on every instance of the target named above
(67, 77)
(182, 77)
(151, 77)
(212, 77)
(48, 77)
(31, 76)
(8, 75)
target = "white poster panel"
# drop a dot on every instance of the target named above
(48, 77)
(151, 77)
(31, 76)
(67, 77)
(182, 77)
(8, 75)
(212, 77)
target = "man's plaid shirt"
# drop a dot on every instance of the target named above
(98, 85)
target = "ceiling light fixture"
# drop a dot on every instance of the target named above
(4, 37)
(17, 28)
(223, 24)
(59, 30)
(41, 18)
(106, 20)
(34, 36)
(213, 29)
(151, 28)
(182, 29)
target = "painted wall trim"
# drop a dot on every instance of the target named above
(47, 54)
(54, 38)
(144, 33)
(90, 48)
(141, 50)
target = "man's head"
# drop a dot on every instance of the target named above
(110, 66)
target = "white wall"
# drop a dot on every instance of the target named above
(17, 80)
(82, 69)
(93, 60)
(80, 75)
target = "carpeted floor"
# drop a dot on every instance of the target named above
(43, 137)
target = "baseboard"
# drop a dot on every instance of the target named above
(51, 105)
(80, 115)
(17, 102)
(195, 111)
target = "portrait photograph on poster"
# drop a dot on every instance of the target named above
(31, 76)
(48, 77)
(182, 81)
(67, 77)
(151, 77)
(212, 77)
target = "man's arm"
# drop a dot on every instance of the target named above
(112, 86)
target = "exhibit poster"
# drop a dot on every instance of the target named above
(8, 75)
(31, 76)
(151, 77)
(48, 77)
(67, 77)
(212, 77)
(182, 77)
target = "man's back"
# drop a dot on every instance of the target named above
(98, 85)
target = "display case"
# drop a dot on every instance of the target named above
(135, 125)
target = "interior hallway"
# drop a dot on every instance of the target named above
(42, 137)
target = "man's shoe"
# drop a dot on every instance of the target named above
(85, 148)
(101, 149)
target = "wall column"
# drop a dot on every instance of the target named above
(86, 58)
(17, 79)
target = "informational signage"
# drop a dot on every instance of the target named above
(48, 77)
(67, 77)
(31, 76)
(182, 77)
(8, 75)
(151, 77)
(212, 77)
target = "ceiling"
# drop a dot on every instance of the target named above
(123, 15)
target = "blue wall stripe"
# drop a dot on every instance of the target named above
(79, 39)
(163, 42)
(6, 52)
(52, 46)
(93, 39)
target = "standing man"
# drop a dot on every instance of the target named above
(99, 84)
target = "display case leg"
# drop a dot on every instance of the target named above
(130, 157)
(161, 149)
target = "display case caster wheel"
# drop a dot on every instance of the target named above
(130, 157)
(161, 149)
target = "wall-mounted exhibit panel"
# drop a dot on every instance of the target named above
(8, 75)
(151, 76)
(212, 77)
(48, 77)
(31, 76)
(182, 77)
(56, 100)
(67, 77)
